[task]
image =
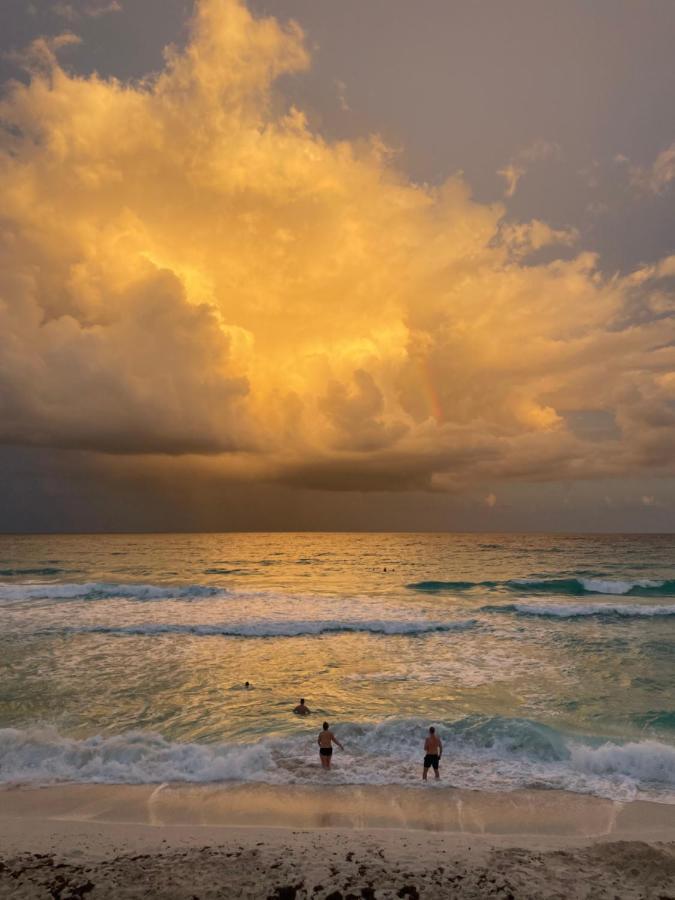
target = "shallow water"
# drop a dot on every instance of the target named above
(545, 661)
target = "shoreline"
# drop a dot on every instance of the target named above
(208, 841)
(434, 807)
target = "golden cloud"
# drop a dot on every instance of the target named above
(189, 269)
(655, 178)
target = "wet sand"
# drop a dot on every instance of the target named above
(333, 842)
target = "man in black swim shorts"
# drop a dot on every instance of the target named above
(325, 741)
(433, 750)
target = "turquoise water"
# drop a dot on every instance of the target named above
(545, 661)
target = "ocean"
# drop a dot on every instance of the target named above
(543, 661)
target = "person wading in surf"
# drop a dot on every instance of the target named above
(301, 709)
(433, 750)
(325, 741)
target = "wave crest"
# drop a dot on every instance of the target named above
(45, 570)
(580, 610)
(482, 752)
(574, 586)
(103, 590)
(579, 586)
(282, 628)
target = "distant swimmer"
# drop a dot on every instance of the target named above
(325, 741)
(301, 709)
(246, 685)
(433, 750)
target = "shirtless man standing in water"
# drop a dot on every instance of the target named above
(325, 741)
(433, 750)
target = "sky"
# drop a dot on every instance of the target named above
(314, 265)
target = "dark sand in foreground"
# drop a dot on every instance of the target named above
(333, 842)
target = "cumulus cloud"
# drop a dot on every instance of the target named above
(657, 177)
(517, 167)
(341, 89)
(188, 270)
(90, 9)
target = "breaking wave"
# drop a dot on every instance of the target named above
(572, 586)
(97, 590)
(578, 610)
(481, 752)
(281, 628)
(578, 586)
(438, 587)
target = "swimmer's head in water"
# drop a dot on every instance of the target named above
(302, 701)
(432, 730)
(325, 726)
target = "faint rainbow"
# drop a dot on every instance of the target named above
(429, 389)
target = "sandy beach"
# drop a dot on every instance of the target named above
(342, 842)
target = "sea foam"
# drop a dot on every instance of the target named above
(481, 752)
(594, 586)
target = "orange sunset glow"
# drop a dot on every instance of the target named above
(197, 281)
(337, 449)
